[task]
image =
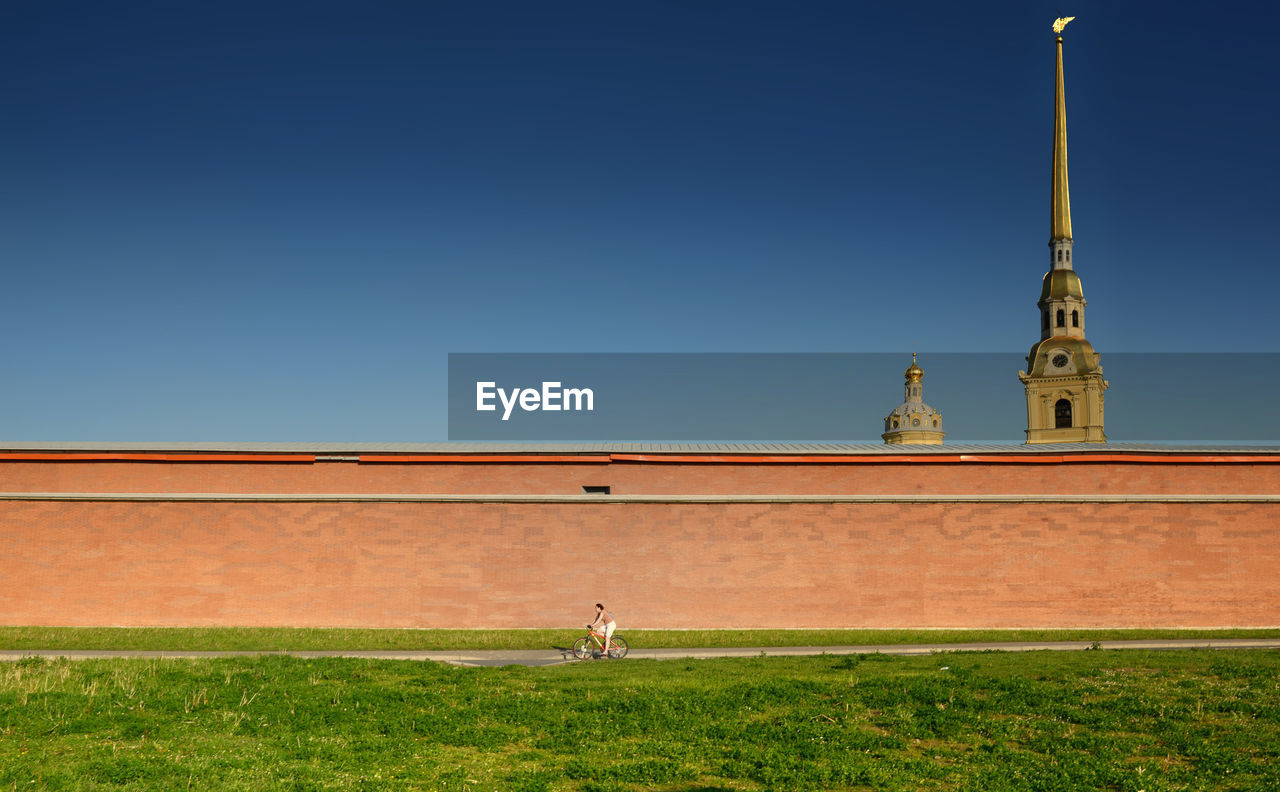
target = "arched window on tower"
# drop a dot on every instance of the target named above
(1044, 321)
(1059, 255)
(1075, 318)
(1062, 414)
(1068, 255)
(1062, 318)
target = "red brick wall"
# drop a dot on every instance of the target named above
(656, 564)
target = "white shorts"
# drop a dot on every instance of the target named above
(608, 631)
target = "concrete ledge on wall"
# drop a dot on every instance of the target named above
(236, 497)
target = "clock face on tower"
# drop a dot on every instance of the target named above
(1060, 361)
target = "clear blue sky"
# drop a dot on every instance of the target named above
(273, 221)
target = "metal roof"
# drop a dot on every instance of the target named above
(630, 448)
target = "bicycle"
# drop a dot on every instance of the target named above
(591, 645)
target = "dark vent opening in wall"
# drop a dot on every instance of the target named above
(596, 490)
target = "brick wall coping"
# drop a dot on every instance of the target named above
(523, 450)
(1179, 457)
(236, 497)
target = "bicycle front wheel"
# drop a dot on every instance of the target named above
(617, 648)
(582, 648)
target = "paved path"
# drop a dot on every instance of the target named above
(557, 655)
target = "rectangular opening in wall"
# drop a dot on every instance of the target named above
(602, 489)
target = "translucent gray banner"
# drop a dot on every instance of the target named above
(838, 397)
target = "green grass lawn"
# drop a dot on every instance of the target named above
(1098, 720)
(275, 639)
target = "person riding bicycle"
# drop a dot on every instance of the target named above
(604, 621)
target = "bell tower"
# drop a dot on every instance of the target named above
(1063, 379)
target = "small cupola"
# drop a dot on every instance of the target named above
(913, 421)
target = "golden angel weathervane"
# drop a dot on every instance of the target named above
(1060, 23)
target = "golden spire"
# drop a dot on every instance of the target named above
(1060, 201)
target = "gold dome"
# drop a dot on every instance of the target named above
(1061, 284)
(914, 373)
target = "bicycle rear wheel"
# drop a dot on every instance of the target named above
(617, 648)
(582, 648)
